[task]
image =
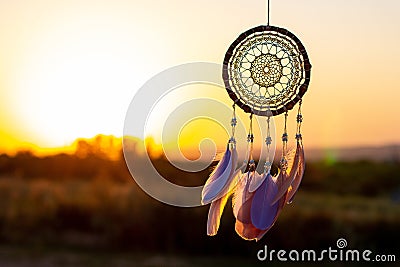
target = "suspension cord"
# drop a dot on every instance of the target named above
(233, 124)
(268, 12)
(299, 121)
(285, 137)
(268, 142)
(284, 163)
(250, 139)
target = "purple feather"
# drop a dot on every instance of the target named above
(221, 166)
(263, 214)
(231, 178)
(217, 179)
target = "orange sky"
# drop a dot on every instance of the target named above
(69, 69)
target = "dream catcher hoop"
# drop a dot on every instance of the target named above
(266, 72)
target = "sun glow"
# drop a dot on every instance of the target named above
(73, 77)
(71, 85)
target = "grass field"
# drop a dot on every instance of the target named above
(73, 211)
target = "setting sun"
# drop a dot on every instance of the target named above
(71, 80)
(68, 70)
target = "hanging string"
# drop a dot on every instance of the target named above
(250, 136)
(299, 121)
(233, 125)
(268, 12)
(284, 162)
(250, 140)
(285, 136)
(268, 142)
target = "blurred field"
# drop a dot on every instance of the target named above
(85, 210)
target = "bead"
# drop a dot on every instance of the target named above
(232, 140)
(252, 165)
(267, 166)
(268, 140)
(299, 137)
(299, 118)
(250, 138)
(285, 137)
(233, 121)
(284, 164)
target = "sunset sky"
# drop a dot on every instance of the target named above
(69, 69)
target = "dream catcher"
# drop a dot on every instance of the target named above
(266, 72)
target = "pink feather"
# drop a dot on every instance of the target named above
(215, 213)
(298, 177)
(257, 180)
(248, 231)
(241, 194)
(217, 207)
(285, 179)
(243, 226)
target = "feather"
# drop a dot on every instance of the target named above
(243, 214)
(299, 175)
(248, 231)
(221, 166)
(219, 187)
(220, 178)
(232, 178)
(257, 180)
(243, 226)
(238, 194)
(217, 207)
(263, 212)
(285, 178)
(215, 213)
(241, 193)
(245, 207)
(281, 204)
